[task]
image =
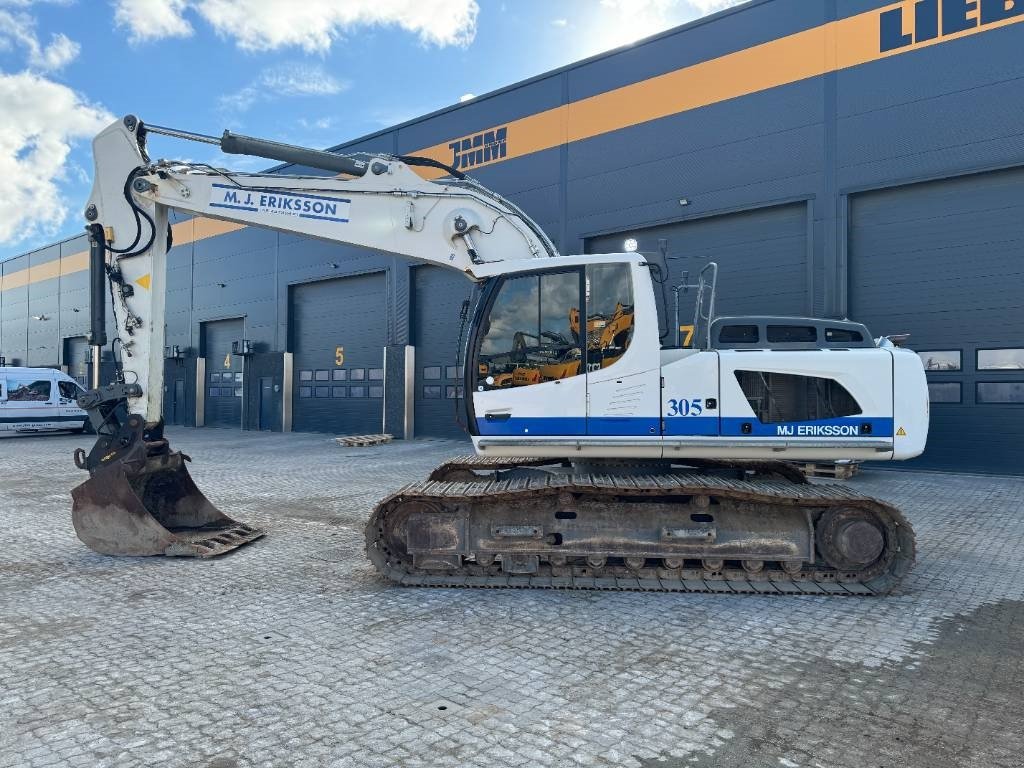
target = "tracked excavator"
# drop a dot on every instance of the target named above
(603, 459)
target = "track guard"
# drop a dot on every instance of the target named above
(140, 498)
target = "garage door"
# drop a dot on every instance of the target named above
(338, 332)
(761, 256)
(437, 301)
(223, 373)
(944, 261)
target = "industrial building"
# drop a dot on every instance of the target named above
(850, 158)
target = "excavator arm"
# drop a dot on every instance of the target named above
(372, 201)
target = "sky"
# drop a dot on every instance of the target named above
(309, 72)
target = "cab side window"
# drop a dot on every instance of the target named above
(609, 314)
(24, 391)
(68, 389)
(532, 333)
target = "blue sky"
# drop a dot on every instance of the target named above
(311, 72)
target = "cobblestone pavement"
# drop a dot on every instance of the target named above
(292, 652)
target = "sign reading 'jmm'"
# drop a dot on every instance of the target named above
(298, 204)
(486, 147)
(933, 19)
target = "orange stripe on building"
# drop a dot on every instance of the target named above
(831, 47)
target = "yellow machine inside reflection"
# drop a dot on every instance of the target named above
(551, 356)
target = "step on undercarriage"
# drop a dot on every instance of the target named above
(722, 527)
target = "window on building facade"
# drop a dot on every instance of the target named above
(1001, 359)
(999, 392)
(943, 360)
(944, 392)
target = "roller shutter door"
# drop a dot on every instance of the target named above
(944, 261)
(223, 373)
(761, 256)
(338, 331)
(437, 300)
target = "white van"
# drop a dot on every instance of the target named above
(39, 399)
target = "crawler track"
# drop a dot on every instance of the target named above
(441, 521)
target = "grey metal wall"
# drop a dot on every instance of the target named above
(438, 295)
(944, 262)
(762, 255)
(780, 186)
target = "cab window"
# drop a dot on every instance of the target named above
(532, 332)
(26, 391)
(609, 314)
(68, 389)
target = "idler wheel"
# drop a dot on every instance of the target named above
(850, 539)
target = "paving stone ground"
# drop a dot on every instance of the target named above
(293, 652)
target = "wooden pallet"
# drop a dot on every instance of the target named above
(358, 441)
(838, 470)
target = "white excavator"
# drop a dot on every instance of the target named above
(604, 459)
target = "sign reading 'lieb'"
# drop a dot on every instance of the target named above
(926, 20)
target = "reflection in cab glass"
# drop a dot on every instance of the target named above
(533, 332)
(609, 314)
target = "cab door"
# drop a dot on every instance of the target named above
(622, 353)
(531, 378)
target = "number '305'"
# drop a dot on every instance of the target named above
(693, 407)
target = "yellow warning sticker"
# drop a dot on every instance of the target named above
(901, 432)
(144, 281)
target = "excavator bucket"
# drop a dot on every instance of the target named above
(141, 500)
(157, 510)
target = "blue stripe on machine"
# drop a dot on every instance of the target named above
(851, 426)
(527, 425)
(697, 426)
(623, 425)
(702, 426)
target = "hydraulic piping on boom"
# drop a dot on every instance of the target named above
(604, 460)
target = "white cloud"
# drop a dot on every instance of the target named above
(312, 25)
(559, 22)
(710, 6)
(40, 121)
(285, 80)
(466, 97)
(320, 124)
(152, 19)
(18, 29)
(625, 21)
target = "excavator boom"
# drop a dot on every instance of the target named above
(139, 498)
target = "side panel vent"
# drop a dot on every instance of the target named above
(784, 397)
